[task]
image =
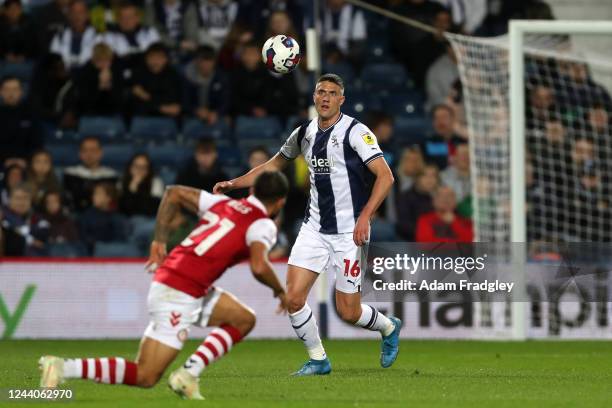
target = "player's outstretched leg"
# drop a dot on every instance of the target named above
(233, 321)
(153, 359)
(353, 311)
(303, 321)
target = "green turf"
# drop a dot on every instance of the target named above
(427, 374)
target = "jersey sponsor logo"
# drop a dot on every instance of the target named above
(238, 206)
(368, 139)
(321, 165)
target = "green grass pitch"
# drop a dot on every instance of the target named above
(427, 374)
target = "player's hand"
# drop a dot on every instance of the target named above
(156, 256)
(361, 234)
(282, 306)
(223, 187)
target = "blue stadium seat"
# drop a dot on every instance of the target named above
(169, 155)
(116, 250)
(229, 156)
(153, 129)
(384, 76)
(411, 130)
(272, 145)
(404, 104)
(118, 155)
(64, 154)
(167, 174)
(344, 69)
(248, 127)
(358, 104)
(195, 129)
(104, 127)
(22, 70)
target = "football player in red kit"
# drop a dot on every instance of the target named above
(183, 294)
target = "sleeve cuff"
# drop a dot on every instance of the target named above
(374, 157)
(284, 156)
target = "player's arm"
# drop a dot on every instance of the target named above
(263, 272)
(175, 197)
(246, 180)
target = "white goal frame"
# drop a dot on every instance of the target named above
(518, 218)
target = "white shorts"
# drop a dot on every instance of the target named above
(172, 313)
(320, 252)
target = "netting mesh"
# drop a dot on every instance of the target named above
(568, 135)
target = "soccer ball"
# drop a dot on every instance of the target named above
(281, 54)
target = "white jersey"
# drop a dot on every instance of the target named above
(340, 182)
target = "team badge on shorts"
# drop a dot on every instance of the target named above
(182, 335)
(368, 139)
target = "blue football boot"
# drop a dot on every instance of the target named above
(314, 367)
(390, 345)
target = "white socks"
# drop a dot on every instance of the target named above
(305, 326)
(372, 319)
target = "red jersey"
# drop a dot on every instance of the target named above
(220, 240)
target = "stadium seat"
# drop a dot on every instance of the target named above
(168, 155)
(344, 69)
(167, 174)
(195, 129)
(22, 70)
(153, 129)
(229, 156)
(118, 155)
(404, 104)
(411, 130)
(64, 154)
(384, 76)
(104, 127)
(248, 127)
(358, 104)
(116, 250)
(272, 145)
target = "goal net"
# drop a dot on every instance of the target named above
(566, 81)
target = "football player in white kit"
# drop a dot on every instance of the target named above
(349, 179)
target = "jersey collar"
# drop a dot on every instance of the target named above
(332, 125)
(255, 201)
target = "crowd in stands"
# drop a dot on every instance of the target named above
(103, 103)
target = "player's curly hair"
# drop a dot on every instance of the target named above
(270, 186)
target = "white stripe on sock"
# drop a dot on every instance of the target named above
(105, 378)
(120, 371)
(206, 351)
(91, 368)
(216, 344)
(226, 337)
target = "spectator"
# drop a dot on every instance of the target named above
(130, 38)
(410, 166)
(467, 15)
(215, 18)
(100, 85)
(249, 84)
(457, 175)
(262, 15)
(176, 21)
(208, 88)
(440, 77)
(101, 222)
(442, 224)
(344, 29)
(382, 126)
(203, 171)
(280, 89)
(157, 86)
(279, 23)
(16, 33)
(440, 147)
(416, 201)
(20, 135)
(599, 123)
(578, 89)
(41, 177)
(257, 156)
(141, 190)
(79, 180)
(433, 45)
(29, 230)
(14, 175)
(62, 228)
(541, 105)
(49, 20)
(407, 41)
(236, 40)
(75, 42)
(52, 93)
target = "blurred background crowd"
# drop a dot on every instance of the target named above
(103, 103)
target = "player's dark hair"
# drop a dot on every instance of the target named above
(333, 78)
(270, 186)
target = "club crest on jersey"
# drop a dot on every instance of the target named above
(334, 140)
(368, 139)
(321, 165)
